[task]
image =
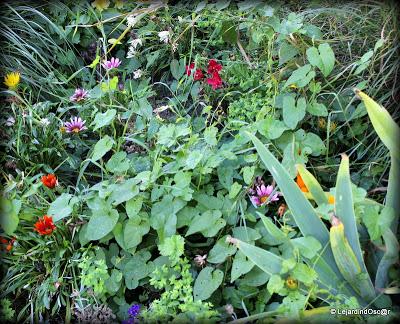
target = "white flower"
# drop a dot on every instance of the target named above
(132, 20)
(162, 108)
(137, 74)
(136, 42)
(10, 121)
(131, 52)
(164, 36)
(45, 122)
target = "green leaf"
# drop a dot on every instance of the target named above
(323, 58)
(276, 233)
(229, 33)
(390, 257)
(240, 266)
(235, 189)
(248, 174)
(136, 269)
(220, 251)
(209, 223)
(384, 125)
(102, 147)
(177, 68)
(134, 230)
(133, 206)
(308, 246)
(267, 261)
(298, 75)
(304, 274)
(206, 283)
(344, 209)
(210, 135)
(109, 85)
(271, 128)
(123, 191)
(286, 53)
(9, 214)
(275, 284)
(101, 223)
(292, 112)
(317, 109)
(62, 206)
(118, 163)
(103, 119)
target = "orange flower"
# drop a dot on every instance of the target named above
(45, 225)
(331, 199)
(300, 183)
(50, 181)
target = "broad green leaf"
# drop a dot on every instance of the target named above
(206, 283)
(304, 273)
(136, 269)
(293, 112)
(308, 246)
(235, 189)
(267, 261)
(134, 230)
(209, 223)
(102, 147)
(62, 206)
(271, 128)
(133, 206)
(272, 229)
(229, 33)
(248, 174)
(317, 109)
(101, 222)
(118, 163)
(104, 119)
(177, 68)
(287, 52)
(220, 251)
(275, 284)
(384, 125)
(240, 266)
(312, 185)
(9, 214)
(256, 277)
(323, 58)
(123, 191)
(210, 135)
(298, 75)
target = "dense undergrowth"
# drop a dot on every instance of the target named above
(140, 148)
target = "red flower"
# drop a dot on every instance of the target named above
(213, 66)
(45, 225)
(189, 68)
(215, 82)
(198, 75)
(50, 181)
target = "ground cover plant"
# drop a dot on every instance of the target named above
(210, 161)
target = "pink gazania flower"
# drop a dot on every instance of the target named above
(264, 195)
(111, 64)
(213, 66)
(80, 94)
(215, 81)
(76, 125)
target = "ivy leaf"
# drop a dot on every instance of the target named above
(206, 283)
(102, 147)
(298, 75)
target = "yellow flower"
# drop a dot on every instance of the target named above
(119, 4)
(331, 199)
(100, 5)
(293, 86)
(11, 80)
(321, 123)
(333, 126)
(291, 283)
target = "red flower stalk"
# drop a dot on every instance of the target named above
(215, 81)
(50, 181)
(45, 225)
(213, 67)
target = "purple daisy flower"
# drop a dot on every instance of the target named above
(80, 94)
(76, 125)
(111, 64)
(264, 194)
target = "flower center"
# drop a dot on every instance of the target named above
(76, 129)
(263, 199)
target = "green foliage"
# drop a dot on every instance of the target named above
(7, 313)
